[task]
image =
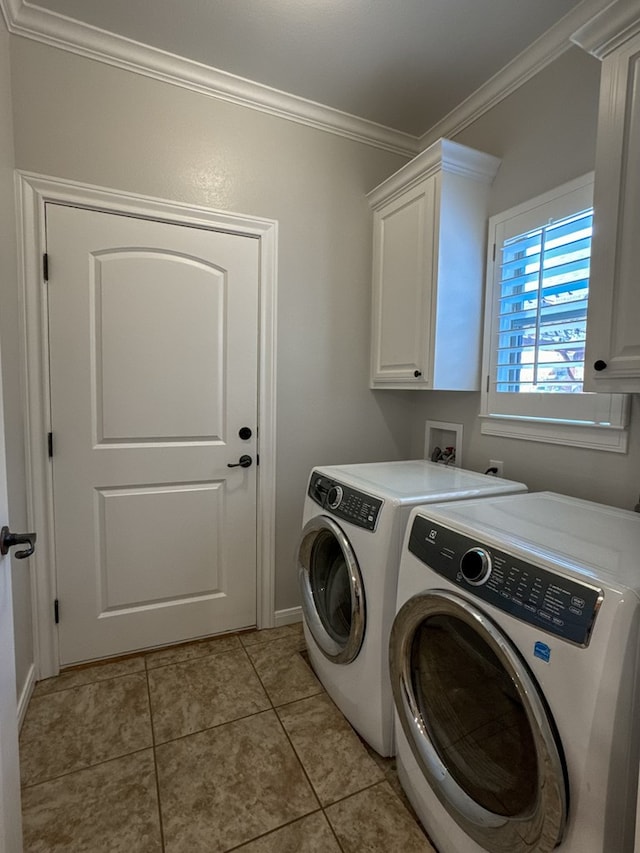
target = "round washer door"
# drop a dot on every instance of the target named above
(332, 591)
(477, 724)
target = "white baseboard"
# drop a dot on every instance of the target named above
(25, 694)
(288, 616)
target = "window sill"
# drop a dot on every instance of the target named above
(613, 439)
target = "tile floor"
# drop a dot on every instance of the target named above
(225, 744)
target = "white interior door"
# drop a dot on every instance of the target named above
(10, 820)
(153, 336)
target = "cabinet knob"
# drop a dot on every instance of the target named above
(599, 365)
(417, 373)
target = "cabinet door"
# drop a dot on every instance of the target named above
(612, 360)
(403, 276)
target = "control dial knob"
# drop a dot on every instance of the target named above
(334, 497)
(475, 565)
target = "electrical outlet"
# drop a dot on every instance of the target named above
(499, 464)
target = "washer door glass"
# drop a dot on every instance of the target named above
(332, 591)
(477, 724)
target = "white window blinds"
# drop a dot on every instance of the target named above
(536, 325)
(542, 308)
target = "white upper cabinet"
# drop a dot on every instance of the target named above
(429, 237)
(612, 357)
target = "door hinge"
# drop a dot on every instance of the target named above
(487, 383)
(50, 444)
(45, 266)
(494, 251)
(56, 611)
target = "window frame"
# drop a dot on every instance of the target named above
(587, 419)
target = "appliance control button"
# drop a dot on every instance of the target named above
(475, 565)
(334, 497)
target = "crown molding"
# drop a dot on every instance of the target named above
(542, 52)
(50, 28)
(609, 29)
(442, 156)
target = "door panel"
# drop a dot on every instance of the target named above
(153, 332)
(137, 526)
(140, 392)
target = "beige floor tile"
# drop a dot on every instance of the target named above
(389, 768)
(111, 808)
(225, 786)
(254, 638)
(190, 651)
(375, 821)
(284, 674)
(196, 695)
(76, 728)
(312, 834)
(332, 755)
(88, 675)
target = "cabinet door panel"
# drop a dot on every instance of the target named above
(613, 325)
(403, 272)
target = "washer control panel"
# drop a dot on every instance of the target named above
(554, 603)
(345, 503)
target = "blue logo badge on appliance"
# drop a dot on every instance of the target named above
(542, 651)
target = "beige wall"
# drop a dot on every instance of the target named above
(10, 368)
(89, 122)
(545, 135)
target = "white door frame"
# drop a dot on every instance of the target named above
(32, 192)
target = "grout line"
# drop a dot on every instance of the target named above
(155, 762)
(253, 667)
(63, 689)
(299, 760)
(335, 834)
(273, 831)
(87, 767)
(216, 726)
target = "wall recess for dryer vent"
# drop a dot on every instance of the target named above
(443, 443)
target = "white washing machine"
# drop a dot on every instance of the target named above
(514, 668)
(353, 526)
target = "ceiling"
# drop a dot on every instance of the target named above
(404, 64)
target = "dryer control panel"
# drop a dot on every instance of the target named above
(552, 602)
(345, 503)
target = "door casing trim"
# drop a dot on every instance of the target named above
(33, 191)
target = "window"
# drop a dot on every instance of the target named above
(535, 325)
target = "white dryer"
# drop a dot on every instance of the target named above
(353, 526)
(514, 668)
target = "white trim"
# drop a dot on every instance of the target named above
(51, 28)
(59, 31)
(32, 192)
(288, 616)
(569, 435)
(442, 156)
(594, 421)
(609, 29)
(542, 52)
(25, 695)
(431, 431)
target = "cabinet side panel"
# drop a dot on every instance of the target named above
(461, 273)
